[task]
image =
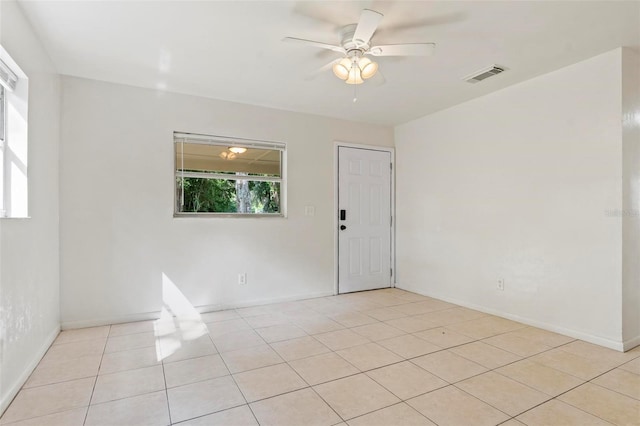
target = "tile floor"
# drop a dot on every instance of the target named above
(385, 357)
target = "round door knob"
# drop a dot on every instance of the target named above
(343, 227)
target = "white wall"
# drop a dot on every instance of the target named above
(29, 272)
(519, 184)
(118, 234)
(631, 196)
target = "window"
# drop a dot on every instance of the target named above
(226, 176)
(13, 138)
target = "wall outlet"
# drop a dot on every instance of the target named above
(242, 278)
(500, 285)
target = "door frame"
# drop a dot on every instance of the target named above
(336, 184)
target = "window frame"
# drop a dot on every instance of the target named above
(196, 138)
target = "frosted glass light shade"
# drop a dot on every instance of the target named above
(354, 76)
(368, 68)
(341, 69)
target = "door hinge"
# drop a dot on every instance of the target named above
(391, 221)
(391, 166)
(390, 272)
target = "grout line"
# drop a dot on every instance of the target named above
(93, 389)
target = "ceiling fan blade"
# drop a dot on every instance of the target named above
(315, 44)
(369, 20)
(410, 49)
(321, 70)
(378, 79)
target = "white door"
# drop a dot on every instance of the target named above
(364, 219)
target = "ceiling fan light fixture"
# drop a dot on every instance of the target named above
(355, 76)
(368, 68)
(341, 69)
(237, 149)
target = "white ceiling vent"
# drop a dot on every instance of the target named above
(483, 74)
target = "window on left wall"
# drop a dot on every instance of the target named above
(14, 97)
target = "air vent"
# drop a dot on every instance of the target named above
(483, 74)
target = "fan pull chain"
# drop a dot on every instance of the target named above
(355, 94)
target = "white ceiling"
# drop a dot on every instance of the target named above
(232, 50)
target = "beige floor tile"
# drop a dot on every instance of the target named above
(267, 320)
(544, 337)
(426, 306)
(175, 349)
(409, 296)
(194, 370)
(355, 395)
(303, 407)
(130, 341)
(545, 379)
(129, 360)
(409, 346)
(516, 345)
(384, 314)
(73, 350)
(512, 422)
(238, 340)
(486, 355)
(503, 393)
(444, 337)
(253, 311)
(406, 380)
(378, 331)
(452, 316)
(64, 370)
(277, 333)
(598, 353)
(632, 366)
(575, 365)
(318, 325)
(132, 328)
(80, 334)
(449, 366)
(621, 381)
(556, 412)
(198, 399)
(399, 414)
(341, 339)
(125, 384)
(299, 348)
(452, 407)
(410, 324)
(486, 326)
(150, 409)
(238, 416)
(217, 316)
(268, 381)
(323, 368)
(353, 319)
(73, 417)
(608, 405)
(369, 356)
(386, 300)
(251, 358)
(49, 399)
(220, 328)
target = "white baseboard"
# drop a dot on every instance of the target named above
(608, 343)
(631, 343)
(12, 390)
(67, 325)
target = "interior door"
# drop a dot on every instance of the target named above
(364, 219)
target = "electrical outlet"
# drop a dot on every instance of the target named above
(500, 285)
(242, 278)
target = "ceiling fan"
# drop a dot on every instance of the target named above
(355, 67)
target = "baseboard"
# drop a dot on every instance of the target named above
(14, 388)
(144, 316)
(629, 344)
(597, 340)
